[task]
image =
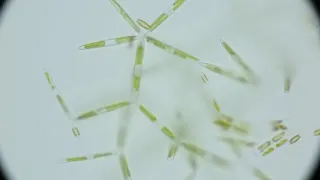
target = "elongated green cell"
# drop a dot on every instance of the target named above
(55, 90)
(148, 114)
(61, 102)
(136, 79)
(75, 159)
(259, 174)
(115, 106)
(165, 15)
(316, 132)
(164, 129)
(279, 136)
(125, 167)
(87, 115)
(158, 21)
(295, 139)
(270, 150)
(264, 146)
(248, 71)
(104, 109)
(136, 83)
(75, 131)
(223, 123)
(101, 155)
(159, 44)
(216, 106)
(125, 15)
(108, 42)
(227, 73)
(49, 79)
(139, 54)
(89, 157)
(170, 49)
(173, 149)
(143, 24)
(184, 55)
(282, 142)
(167, 132)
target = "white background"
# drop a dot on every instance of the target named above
(35, 135)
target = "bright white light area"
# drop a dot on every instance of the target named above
(276, 38)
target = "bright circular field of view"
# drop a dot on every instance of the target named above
(161, 90)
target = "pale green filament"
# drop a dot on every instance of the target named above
(101, 155)
(194, 149)
(122, 136)
(177, 4)
(234, 144)
(166, 14)
(170, 49)
(259, 174)
(125, 15)
(167, 132)
(125, 39)
(136, 83)
(216, 106)
(316, 132)
(104, 109)
(148, 114)
(49, 79)
(192, 161)
(173, 149)
(223, 123)
(227, 73)
(108, 42)
(241, 128)
(125, 167)
(287, 85)
(143, 24)
(228, 48)
(87, 115)
(62, 104)
(158, 21)
(116, 106)
(97, 44)
(89, 157)
(158, 43)
(247, 70)
(75, 159)
(75, 131)
(140, 54)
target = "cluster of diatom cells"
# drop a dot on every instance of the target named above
(224, 121)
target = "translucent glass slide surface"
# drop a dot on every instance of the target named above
(150, 89)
